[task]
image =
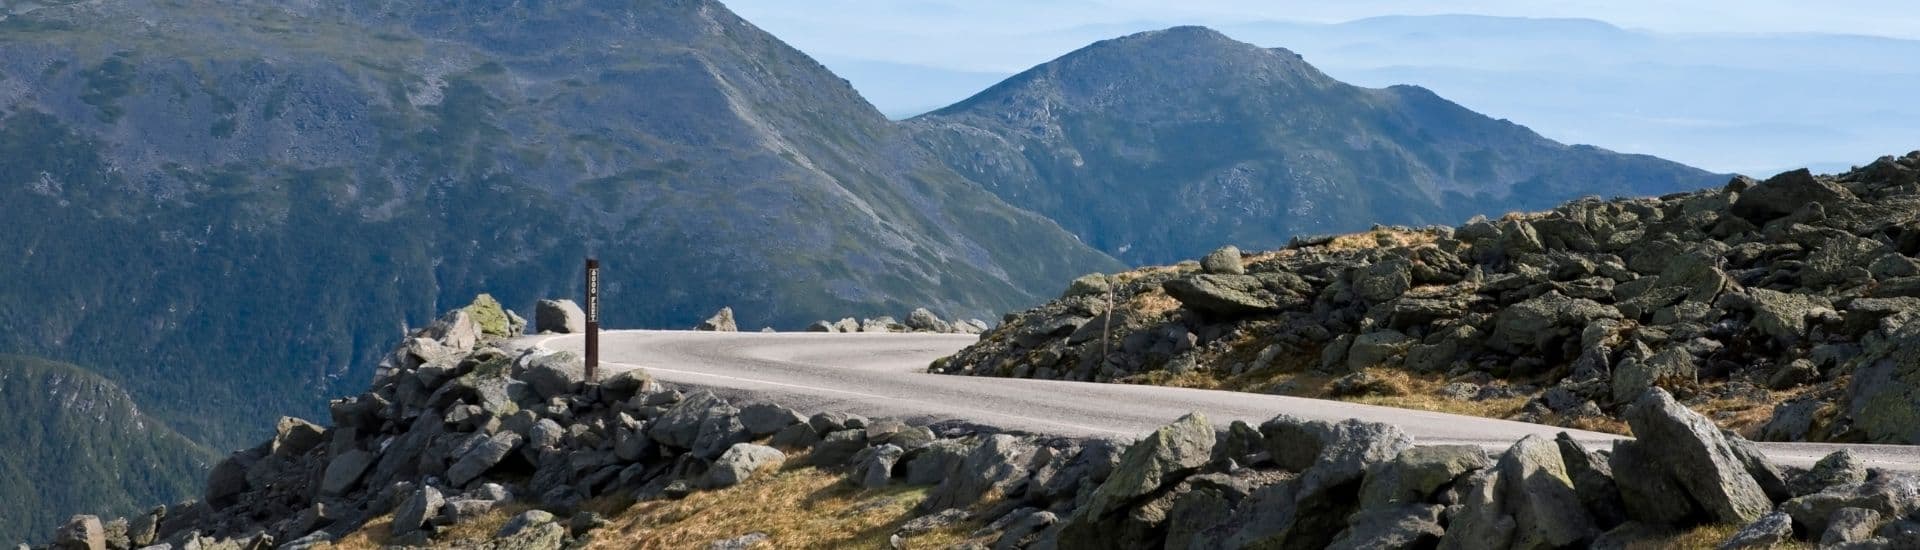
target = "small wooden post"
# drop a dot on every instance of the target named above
(593, 320)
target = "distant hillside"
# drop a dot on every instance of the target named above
(75, 442)
(1161, 145)
(232, 202)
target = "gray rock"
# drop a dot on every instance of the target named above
(1883, 400)
(1634, 376)
(1694, 456)
(1539, 494)
(742, 542)
(1167, 455)
(684, 424)
(1480, 523)
(1784, 316)
(1399, 527)
(923, 320)
(1786, 193)
(559, 316)
(1770, 531)
(838, 448)
(1223, 295)
(763, 419)
(1374, 349)
(1539, 323)
(823, 326)
(740, 462)
(482, 457)
(1593, 479)
(294, 437)
(1088, 285)
(721, 321)
(999, 463)
(934, 521)
(555, 374)
(343, 473)
(1021, 532)
(1850, 525)
(797, 436)
(931, 465)
(1223, 261)
(876, 470)
(1839, 468)
(545, 434)
(1892, 495)
(81, 533)
(1416, 474)
(413, 513)
(1384, 280)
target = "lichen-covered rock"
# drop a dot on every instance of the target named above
(1695, 456)
(1223, 261)
(740, 462)
(1416, 474)
(721, 321)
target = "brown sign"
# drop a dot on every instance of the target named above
(593, 319)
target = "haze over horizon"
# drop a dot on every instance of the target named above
(1757, 89)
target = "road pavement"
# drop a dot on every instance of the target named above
(884, 375)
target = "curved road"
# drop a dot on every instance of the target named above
(883, 375)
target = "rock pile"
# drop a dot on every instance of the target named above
(1804, 288)
(451, 437)
(920, 320)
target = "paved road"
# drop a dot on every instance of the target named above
(883, 375)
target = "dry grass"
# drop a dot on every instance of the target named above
(1705, 537)
(1151, 304)
(1379, 238)
(472, 532)
(371, 536)
(1422, 392)
(796, 506)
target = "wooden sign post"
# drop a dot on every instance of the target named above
(593, 319)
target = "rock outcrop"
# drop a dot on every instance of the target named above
(1801, 286)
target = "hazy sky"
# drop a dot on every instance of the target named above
(954, 33)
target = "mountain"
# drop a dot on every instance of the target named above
(222, 205)
(77, 442)
(1162, 145)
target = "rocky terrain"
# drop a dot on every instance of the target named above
(1788, 309)
(1161, 145)
(920, 320)
(462, 429)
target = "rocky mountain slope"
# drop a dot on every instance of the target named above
(1161, 145)
(1789, 308)
(75, 441)
(470, 445)
(186, 180)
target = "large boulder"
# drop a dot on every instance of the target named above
(493, 320)
(702, 423)
(414, 512)
(482, 457)
(1399, 527)
(721, 321)
(923, 320)
(1784, 316)
(1540, 495)
(81, 533)
(1785, 193)
(1384, 280)
(1165, 456)
(740, 462)
(1883, 401)
(1224, 261)
(560, 317)
(1891, 495)
(1226, 295)
(1416, 474)
(1541, 322)
(294, 437)
(1693, 456)
(555, 374)
(344, 472)
(998, 463)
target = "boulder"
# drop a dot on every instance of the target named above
(1883, 400)
(1416, 474)
(1223, 261)
(1399, 527)
(1089, 285)
(492, 320)
(681, 425)
(1378, 348)
(1540, 495)
(559, 317)
(1479, 523)
(1786, 193)
(555, 374)
(1850, 525)
(837, 448)
(1165, 456)
(876, 470)
(1384, 280)
(1223, 295)
(1784, 316)
(293, 437)
(455, 331)
(343, 472)
(823, 326)
(482, 457)
(930, 466)
(1000, 462)
(81, 533)
(1838, 468)
(923, 320)
(763, 419)
(740, 462)
(1693, 456)
(721, 321)
(1773, 530)
(1540, 322)
(413, 513)
(1892, 495)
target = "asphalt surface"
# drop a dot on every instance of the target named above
(884, 375)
